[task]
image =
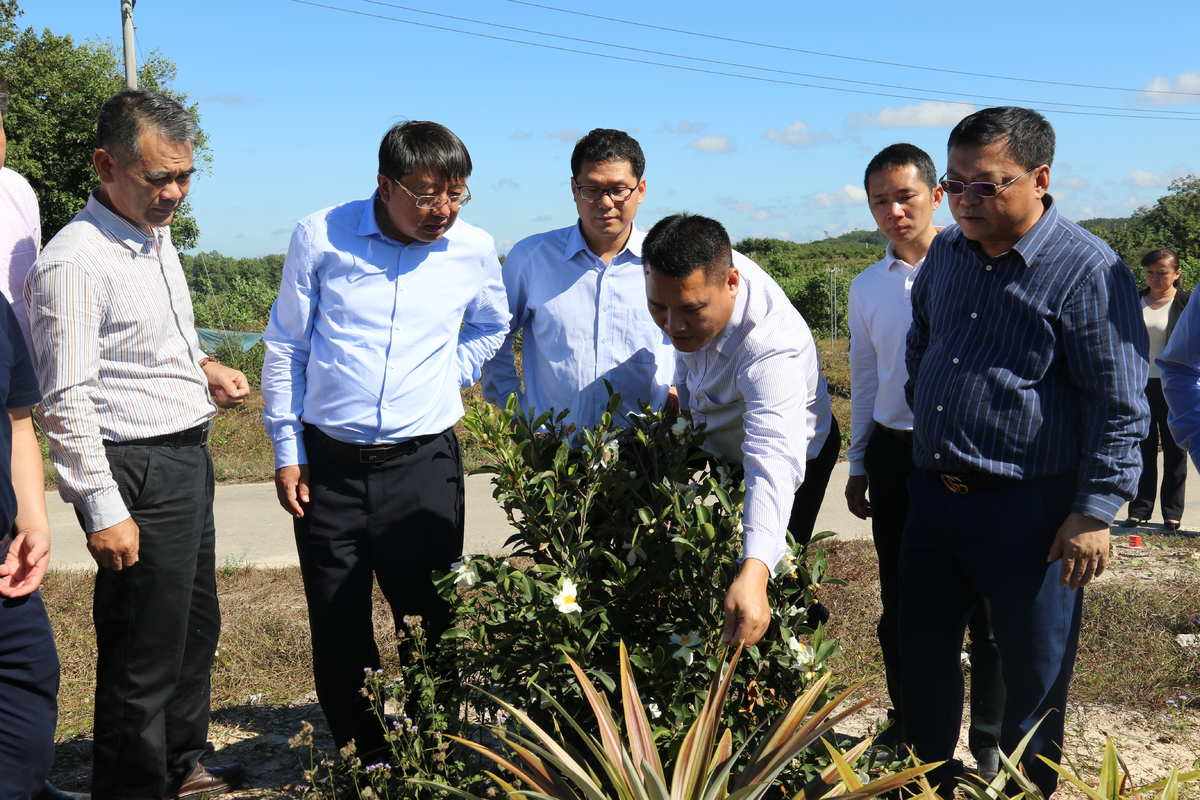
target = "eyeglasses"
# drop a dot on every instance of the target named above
(430, 201)
(980, 188)
(618, 194)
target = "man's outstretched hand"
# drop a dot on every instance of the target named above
(747, 609)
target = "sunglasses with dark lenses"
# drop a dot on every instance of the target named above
(979, 188)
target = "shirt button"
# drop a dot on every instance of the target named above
(974, 315)
(939, 408)
(937, 456)
(989, 267)
(954, 361)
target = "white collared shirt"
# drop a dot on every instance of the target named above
(116, 352)
(879, 318)
(759, 391)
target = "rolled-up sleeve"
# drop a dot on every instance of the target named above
(773, 451)
(1106, 348)
(287, 342)
(66, 306)
(1180, 364)
(485, 323)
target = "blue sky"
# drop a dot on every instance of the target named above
(295, 99)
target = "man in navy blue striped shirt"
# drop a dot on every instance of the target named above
(1026, 362)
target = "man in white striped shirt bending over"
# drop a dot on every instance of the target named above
(128, 399)
(746, 368)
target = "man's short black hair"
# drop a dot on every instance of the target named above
(126, 114)
(1030, 137)
(902, 154)
(421, 146)
(606, 144)
(680, 244)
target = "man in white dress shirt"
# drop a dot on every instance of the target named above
(579, 300)
(747, 369)
(903, 194)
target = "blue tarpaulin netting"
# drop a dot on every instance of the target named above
(212, 339)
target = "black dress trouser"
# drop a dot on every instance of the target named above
(157, 624)
(811, 493)
(1174, 463)
(889, 465)
(394, 522)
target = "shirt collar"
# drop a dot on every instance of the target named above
(1031, 243)
(368, 225)
(576, 244)
(118, 227)
(891, 259)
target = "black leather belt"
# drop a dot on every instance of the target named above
(347, 453)
(192, 437)
(901, 436)
(967, 482)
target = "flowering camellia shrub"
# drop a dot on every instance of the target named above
(626, 535)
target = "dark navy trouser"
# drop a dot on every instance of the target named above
(28, 696)
(991, 542)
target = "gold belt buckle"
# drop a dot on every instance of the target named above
(954, 484)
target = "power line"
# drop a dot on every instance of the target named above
(844, 57)
(700, 70)
(737, 65)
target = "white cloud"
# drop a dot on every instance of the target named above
(928, 114)
(1183, 82)
(847, 195)
(684, 127)
(1144, 179)
(797, 134)
(566, 135)
(712, 144)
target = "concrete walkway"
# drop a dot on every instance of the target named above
(253, 529)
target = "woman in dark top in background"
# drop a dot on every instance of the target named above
(1162, 303)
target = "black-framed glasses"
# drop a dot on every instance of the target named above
(980, 188)
(430, 201)
(618, 194)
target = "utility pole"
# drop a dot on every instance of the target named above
(130, 50)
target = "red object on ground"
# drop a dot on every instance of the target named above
(1135, 540)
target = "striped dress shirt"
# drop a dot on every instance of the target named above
(115, 350)
(758, 390)
(1032, 363)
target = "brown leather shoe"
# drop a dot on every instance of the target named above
(205, 781)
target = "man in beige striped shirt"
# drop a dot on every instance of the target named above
(128, 399)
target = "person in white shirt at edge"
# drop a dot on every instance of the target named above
(747, 368)
(902, 194)
(387, 307)
(128, 399)
(578, 298)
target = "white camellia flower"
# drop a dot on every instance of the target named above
(800, 651)
(464, 573)
(679, 428)
(686, 644)
(654, 710)
(787, 565)
(611, 452)
(565, 600)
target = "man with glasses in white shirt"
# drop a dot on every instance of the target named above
(578, 299)
(387, 307)
(903, 194)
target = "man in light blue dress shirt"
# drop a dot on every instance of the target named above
(387, 308)
(578, 298)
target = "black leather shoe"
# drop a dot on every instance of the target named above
(987, 763)
(1133, 522)
(1171, 525)
(205, 781)
(52, 792)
